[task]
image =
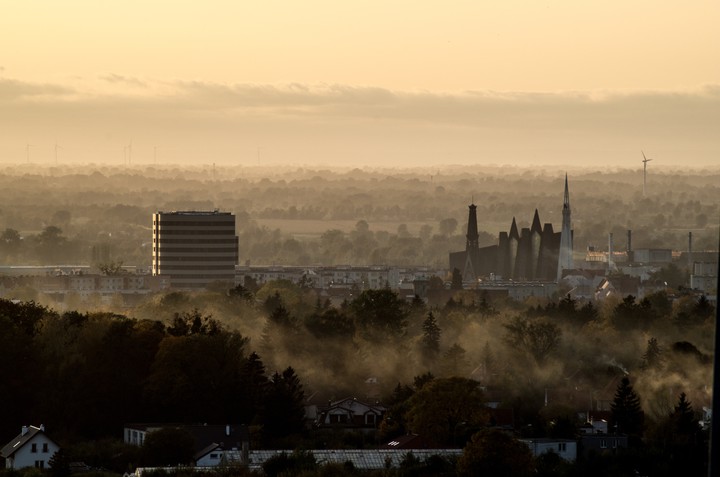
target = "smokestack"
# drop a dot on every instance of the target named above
(629, 244)
(690, 260)
(611, 262)
(227, 430)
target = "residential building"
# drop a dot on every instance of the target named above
(214, 444)
(31, 448)
(565, 448)
(351, 414)
(194, 248)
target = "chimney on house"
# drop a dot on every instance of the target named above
(24, 430)
(227, 430)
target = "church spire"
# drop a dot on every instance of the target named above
(472, 229)
(565, 259)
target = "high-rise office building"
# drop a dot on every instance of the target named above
(194, 248)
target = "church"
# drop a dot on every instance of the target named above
(537, 253)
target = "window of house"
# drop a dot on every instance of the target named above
(603, 444)
(213, 456)
(562, 446)
(340, 418)
(40, 464)
(33, 448)
(45, 446)
(370, 418)
(614, 443)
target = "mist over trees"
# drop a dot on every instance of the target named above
(243, 357)
(256, 353)
(302, 216)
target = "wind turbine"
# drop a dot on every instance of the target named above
(645, 161)
(27, 149)
(56, 154)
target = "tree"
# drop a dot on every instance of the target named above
(284, 409)
(444, 407)
(51, 243)
(381, 314)
(192, 323)
(430, 343)
(10, 241)
(59, 464)
(330, 323)
(168, 446)
(457, 281)
(111, 268)
(627, 413)
(537, 338)
(298, 463)
(448, 226)
(652, 359)
(454, 361)
(495, 453)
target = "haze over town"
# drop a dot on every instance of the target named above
(449, 239)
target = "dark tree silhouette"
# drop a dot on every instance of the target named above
(381, 314)
(430, 343)
(652, 358)
(627, 413)
(494, 452)
(284, 411)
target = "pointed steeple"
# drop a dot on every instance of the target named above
(565, 258)
(536, 225)
(514, 231)
(472, 229)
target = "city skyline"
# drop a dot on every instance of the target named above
(399, 84)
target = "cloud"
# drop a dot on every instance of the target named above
(367, 122)
(126, 80)
(14, 90)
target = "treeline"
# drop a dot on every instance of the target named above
(385, 216)
(85, 375)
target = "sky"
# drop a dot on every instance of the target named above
(372, 83)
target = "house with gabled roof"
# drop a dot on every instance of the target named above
(31, 448)
(350, 413)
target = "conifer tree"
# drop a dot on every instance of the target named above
(431, 338)
(626, 410)
(652, 358)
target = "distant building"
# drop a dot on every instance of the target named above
(704, 278)
(194, 248)
(535, 253)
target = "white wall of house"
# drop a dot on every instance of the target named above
(36, 452)
(566, 449)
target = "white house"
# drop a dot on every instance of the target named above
(32, 448)
(565, 448)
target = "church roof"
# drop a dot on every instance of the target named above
(536, 226)
(514, 230)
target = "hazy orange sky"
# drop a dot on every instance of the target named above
(361, 83)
